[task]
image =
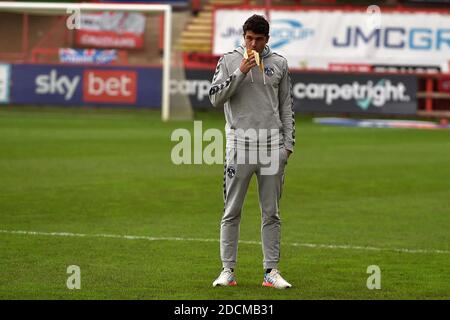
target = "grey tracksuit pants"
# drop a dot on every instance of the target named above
(237, 175)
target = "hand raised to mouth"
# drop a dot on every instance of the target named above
(249, 54)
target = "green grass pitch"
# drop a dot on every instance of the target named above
(364, 194)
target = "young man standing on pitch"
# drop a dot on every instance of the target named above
(252, 83)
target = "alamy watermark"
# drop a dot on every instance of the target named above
(373, 21)
(251, 146)
(374, 280)
(74, 280)
(73, 21)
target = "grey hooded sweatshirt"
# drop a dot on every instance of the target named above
(256, 100)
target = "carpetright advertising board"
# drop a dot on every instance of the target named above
(354, 93)
(359, 93)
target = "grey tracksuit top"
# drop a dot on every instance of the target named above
(256, 100)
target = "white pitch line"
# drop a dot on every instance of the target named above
(306, 245)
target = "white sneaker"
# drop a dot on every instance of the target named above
(226, 278)
(275, 280)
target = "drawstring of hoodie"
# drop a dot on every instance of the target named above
(262, 67)
(264, 74)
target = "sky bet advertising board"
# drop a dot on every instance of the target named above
(315, 39)
(86, 85)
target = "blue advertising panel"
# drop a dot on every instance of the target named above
(86, 85)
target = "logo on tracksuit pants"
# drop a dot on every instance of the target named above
(231, 171)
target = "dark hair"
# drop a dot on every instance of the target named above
(258, 24)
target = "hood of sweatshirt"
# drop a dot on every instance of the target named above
(267, 52)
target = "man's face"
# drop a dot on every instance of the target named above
(255, 41)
